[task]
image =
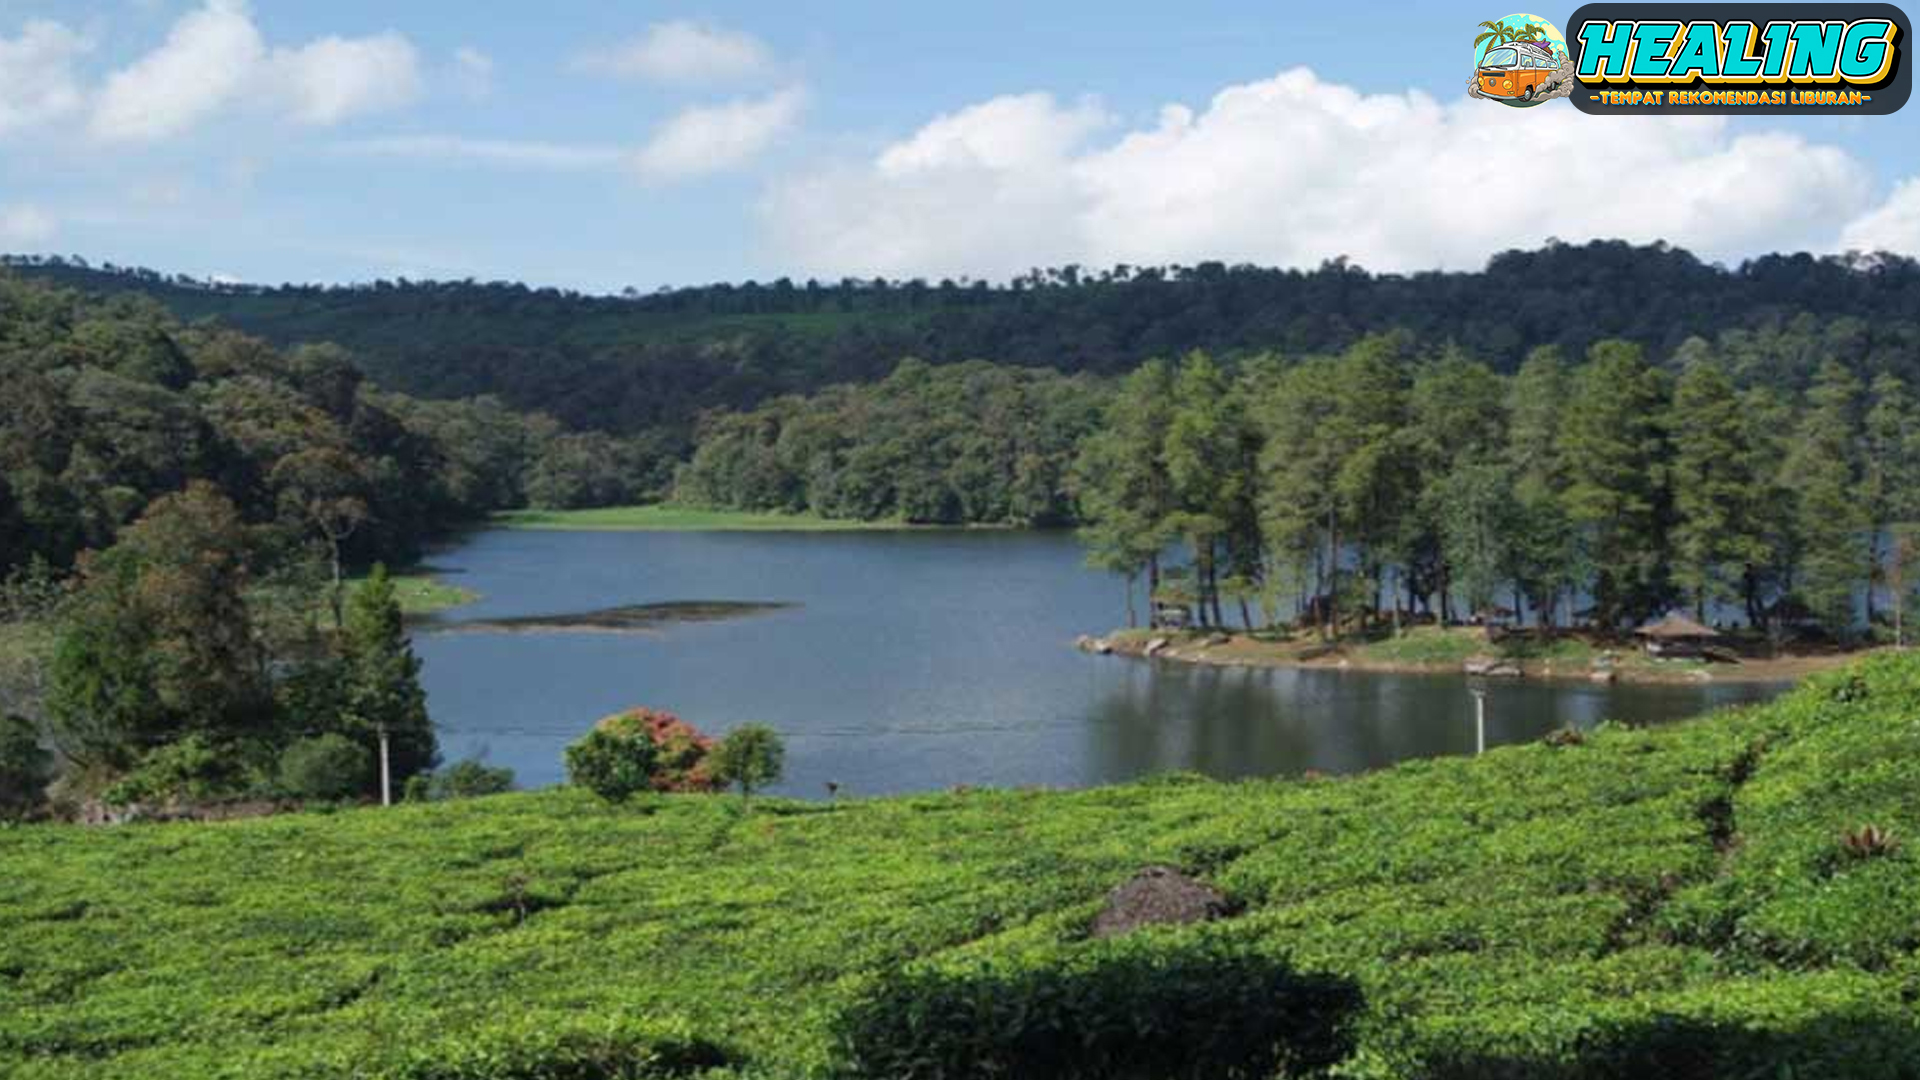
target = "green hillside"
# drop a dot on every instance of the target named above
(1673, 902)
(640, 361)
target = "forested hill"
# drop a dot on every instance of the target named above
(638, 361)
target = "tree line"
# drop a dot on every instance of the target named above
(655, 362)
(1394, 481)
(111, 404)
(965, 443)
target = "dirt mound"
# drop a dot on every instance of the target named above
(1158, 896)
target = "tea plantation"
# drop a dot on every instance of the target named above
(1726, 897)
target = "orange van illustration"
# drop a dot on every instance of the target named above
(1518, 69)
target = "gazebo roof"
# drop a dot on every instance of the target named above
(1676, 625)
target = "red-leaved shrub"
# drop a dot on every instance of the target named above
(680, 749)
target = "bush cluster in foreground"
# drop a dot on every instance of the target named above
(1723, 897)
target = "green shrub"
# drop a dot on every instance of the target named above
(750, 757)
(469, 779)
(611, 765)
(558, 1047)
(1141, 1008)
(327, 767)
(26, 768)
(192, 769)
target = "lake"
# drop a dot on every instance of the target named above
(919, 660)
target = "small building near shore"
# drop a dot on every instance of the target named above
(1676, 635)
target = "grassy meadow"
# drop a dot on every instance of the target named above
(1680, 901)
(421, 593)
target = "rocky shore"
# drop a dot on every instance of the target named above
(1228, 649)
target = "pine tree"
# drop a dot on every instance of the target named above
(1201, 451)
(1120, 480)
(1457, 429)
(1544, 556)
(1768, 421)
(1476, 520)
(1822, 471)
(1716, 491)
(1613, 444)
(1298, 500)
(382, 680)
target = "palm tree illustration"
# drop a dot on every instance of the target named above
(1499, 33)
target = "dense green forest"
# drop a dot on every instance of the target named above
(968, 442)
(1601, 431)
(1389, 480)
(180, 508)
(112, 403)
(1395, 478)
(647, 362)
(1728, 897)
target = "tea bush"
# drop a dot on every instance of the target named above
(1674, 901)
(1140, 1009)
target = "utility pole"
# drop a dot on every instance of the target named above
(386, 774)
(1479, 719)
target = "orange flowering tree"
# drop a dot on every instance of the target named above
(679, 750)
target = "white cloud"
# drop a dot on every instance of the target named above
(334, 78)
(207, 57)
(473, 72)
(25, 226)
(715, 138)
(1893, 226)
(508, 152)
(1294, 170)
(684, 52)
(215, 57)
(36, 74)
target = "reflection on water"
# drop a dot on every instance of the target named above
(921, 660)
(1233, 722)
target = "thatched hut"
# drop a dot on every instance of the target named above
(1676, 635)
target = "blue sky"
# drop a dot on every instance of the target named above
(600, 145)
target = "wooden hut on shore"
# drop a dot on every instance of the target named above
(1676, 635)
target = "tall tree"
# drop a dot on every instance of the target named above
(160, 643)
(1823, 473)
(1202, 455)
(1544, 553)
(326, 488)
(1457, 425)
(1299, 469)
(382, 680)
(1476, 520)
(1613, 446)
(1717, 487)
(1768, 419)
(1124, 491)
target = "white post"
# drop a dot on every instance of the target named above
(386, 775)
(1479, 720)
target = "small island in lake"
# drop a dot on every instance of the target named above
(628, 618)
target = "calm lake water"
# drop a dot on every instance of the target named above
(921, 660)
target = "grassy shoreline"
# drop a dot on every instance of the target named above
(664, 518)
(1429, 651)
(421, 592)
